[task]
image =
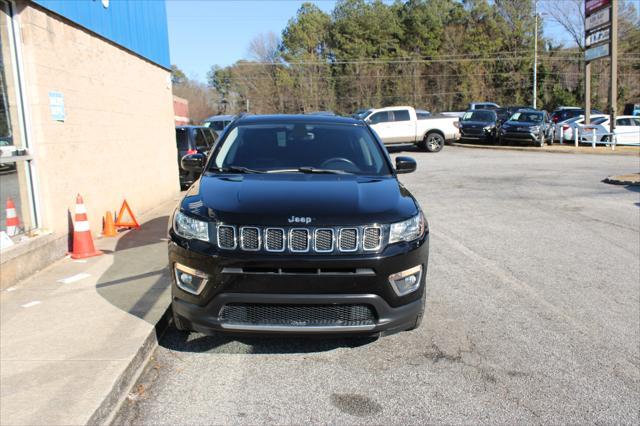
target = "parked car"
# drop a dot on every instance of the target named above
(192, 140)
(562, 114)
(422, 114)
(298, 225)
(632, 109)
(7, 149)
(567, 128)
(479, 125)
(526, 125)
(482, 105)
(361, 113)
(218, 122)
(627, 130)
(400, 124)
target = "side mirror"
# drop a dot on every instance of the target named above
(405, 165)
(193, 162)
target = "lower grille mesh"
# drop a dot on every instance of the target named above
(298, 315)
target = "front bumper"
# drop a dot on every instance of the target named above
(520, 136)
(241, 278)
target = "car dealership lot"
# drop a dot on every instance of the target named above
(532, 315)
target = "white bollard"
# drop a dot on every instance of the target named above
(576, 134)
(613, 140)
(593, 138)
(561, 135)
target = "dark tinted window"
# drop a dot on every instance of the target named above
(182, 137)
(217, 125)
(210, 136)
(422, 115)
(270, 147)
(201, 141)
(401, 115)
(479, 115)
(380, 117)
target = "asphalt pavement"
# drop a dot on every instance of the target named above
(533, 315)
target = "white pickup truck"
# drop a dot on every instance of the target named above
(400, 124)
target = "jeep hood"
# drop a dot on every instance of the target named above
(272, 199)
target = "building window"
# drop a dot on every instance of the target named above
(16, 186)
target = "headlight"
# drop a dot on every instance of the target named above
(535, 129)
(188, 227)
(408, 230)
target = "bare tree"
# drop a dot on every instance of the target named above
(569, 14)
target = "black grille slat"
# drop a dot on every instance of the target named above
(274, 239)
(299, 240)
(348, 239)
(371, 238)
(324, 240)
(250, 239)
(290, 315)
(226, 237)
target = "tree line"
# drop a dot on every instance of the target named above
(433, 54)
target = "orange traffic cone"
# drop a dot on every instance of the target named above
(13, 223)
(109, 229)
(82, 240)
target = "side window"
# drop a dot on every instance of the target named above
(635, 121)
(182, 138)
(623, 122)
(401, 115)
(201, 141)
(210, 136)
(380, 117)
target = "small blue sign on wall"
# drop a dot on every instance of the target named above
(56, 105)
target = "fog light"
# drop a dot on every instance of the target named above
(189, 279)
(406, 281)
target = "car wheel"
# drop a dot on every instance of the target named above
(433, 142)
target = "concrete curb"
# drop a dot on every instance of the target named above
(614, 181)
(109, 407)
(569, 150)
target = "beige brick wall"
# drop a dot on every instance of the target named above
(118, 137)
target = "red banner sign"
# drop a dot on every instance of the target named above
(591, 5)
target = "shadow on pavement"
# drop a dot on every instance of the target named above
(138, 281)
(181, 341)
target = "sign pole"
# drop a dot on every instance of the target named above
(614, 66)
(587, 92)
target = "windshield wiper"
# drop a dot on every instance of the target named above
(310, 170)
(236, 169)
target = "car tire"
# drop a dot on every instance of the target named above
(433, 142)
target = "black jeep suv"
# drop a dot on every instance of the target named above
(298, 224)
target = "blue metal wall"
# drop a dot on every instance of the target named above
(138, 25)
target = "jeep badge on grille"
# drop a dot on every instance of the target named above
(297, 219)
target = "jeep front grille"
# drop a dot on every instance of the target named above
(372, 238)
(227, 237)
(301, 240)
(348, 239)
(293, 315)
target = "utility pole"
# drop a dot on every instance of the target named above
(535, 60)
(613, 97)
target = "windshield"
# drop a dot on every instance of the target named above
(216, 125)
(479, 116)
(528, 117)
(288, 147)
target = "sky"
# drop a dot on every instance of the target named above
(203, 33)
